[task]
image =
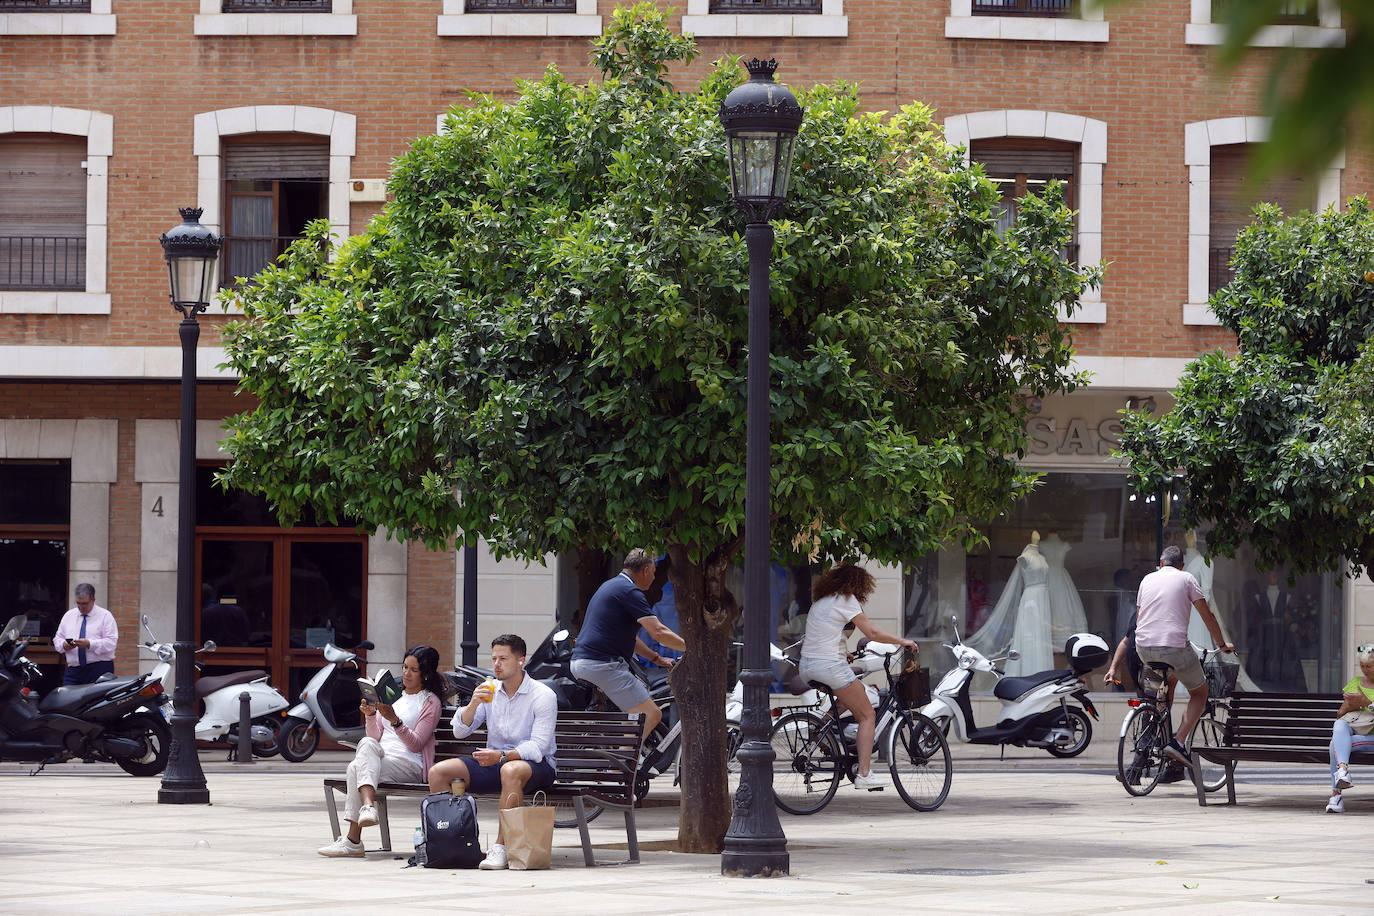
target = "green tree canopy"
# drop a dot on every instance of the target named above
(542, 340)
(1275, 442)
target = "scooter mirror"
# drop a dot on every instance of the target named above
(367, 644)
(209, 646)
(561, 635)
(145, 620)
(1013, 655)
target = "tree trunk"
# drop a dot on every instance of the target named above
(706, 615)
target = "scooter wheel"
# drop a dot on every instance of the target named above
(298, 740)
(156, 735)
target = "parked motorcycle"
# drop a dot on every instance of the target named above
(1035, 709)
(219, 723)
(330, 696)
(115, 719)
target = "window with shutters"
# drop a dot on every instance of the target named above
(42, 212)
(274, 186)
(1020, 166)
(1232, 202)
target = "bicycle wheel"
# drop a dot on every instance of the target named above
(1209, 732)
(918, 756)
(808, 763)
(1140, 753)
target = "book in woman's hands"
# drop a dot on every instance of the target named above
(380, 688)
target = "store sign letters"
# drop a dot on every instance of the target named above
(1076, 437)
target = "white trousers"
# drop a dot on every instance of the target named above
(370, 766)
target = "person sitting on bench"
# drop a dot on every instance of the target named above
(399, 746)
(1358, 695)
(520, 714)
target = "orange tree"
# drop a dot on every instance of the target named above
(542, 340)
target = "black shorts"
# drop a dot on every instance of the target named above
(487, 780)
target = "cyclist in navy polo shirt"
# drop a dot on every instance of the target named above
(610, 636)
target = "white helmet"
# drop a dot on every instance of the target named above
(1086, 651)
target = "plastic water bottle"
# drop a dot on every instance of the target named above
(419, 838)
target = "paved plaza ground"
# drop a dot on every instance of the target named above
(1028, 834)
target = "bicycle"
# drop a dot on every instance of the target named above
(1148, 727)
(813, 752)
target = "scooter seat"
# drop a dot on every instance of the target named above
(1009, 688)
(65, 699)
(208, 685)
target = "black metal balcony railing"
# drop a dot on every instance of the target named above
(247, 255)
(45, 6)
(1219, 270)
(278, 6)
(766, 6)
(29, 262)
(1024, 7)
(521, 6)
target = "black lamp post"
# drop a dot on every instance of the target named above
(761, 120)
(191, 251)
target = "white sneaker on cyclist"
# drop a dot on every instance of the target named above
(1336, 805)
(1343, 777)
(870, 783)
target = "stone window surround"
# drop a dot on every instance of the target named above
(1091, 136)
(92, 445)
(99, 21)
(157, 450)
(961, 23)
(98, 129)
(700, 21)
(1198, 139)
(212, 22)
(456, 22)
(1200, 29)
(340, 127)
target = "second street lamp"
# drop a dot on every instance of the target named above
(761, 120)
(191, 251)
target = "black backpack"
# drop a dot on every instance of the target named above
(448, 825)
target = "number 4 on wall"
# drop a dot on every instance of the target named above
(157, 507)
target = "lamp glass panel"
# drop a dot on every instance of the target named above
(784, 169)
(192, 279)
(755, 154)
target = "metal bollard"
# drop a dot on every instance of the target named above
(245, 751)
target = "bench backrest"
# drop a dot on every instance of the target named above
(597, 752)
(1282, 720)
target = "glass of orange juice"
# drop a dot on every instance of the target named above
(490, 684)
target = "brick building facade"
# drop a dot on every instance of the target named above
(266, 112)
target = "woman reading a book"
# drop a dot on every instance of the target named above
(399, 746)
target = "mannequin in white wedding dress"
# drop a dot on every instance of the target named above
(1066, 607)
(1022, 617)
(1201, 569)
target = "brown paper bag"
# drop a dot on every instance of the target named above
(529, 834)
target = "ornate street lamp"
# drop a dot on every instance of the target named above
(761, 120)
(191, 251)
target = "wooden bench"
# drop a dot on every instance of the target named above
(598, 758)
(1274, 728)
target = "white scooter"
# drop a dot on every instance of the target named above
(328, 704)
(1035, 709)
(220, 694)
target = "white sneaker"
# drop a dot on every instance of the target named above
(870, 783)
(342, 848)
(496, 858)
(1343, 777)
(1336, 805)
(367, 816)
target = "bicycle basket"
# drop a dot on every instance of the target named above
(913, 688)
(1221, 674)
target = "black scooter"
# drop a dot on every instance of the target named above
(117, 719)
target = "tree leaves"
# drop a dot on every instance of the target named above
(1276, 442)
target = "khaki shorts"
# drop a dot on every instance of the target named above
(1183, 661)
